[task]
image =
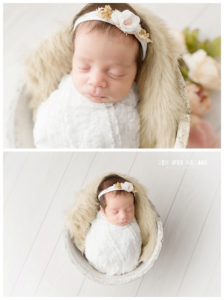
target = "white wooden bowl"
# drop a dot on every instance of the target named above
(86, 269)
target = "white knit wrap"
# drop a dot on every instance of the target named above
(111, 249)
(68, 120)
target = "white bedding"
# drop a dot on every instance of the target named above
(111, 249)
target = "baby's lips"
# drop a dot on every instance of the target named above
(99, 96)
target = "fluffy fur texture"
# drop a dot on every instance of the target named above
(79, 216)
(46, 65)
(161, 104)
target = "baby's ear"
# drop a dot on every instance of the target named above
(101, 208)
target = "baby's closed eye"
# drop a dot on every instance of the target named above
(114, 212)
(117, 75)
(129, 209)
(83, 67)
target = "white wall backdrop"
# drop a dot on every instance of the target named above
(25, 25)
(38, 187)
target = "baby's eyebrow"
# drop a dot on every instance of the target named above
(121, 64)
(82, 57)
(119, 207)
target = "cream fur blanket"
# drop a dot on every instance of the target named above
(80, 215)
(112, 249)
(161, 107)
(68, 120)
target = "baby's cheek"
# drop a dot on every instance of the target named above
(132, 215)
(118, 90)
(124, 88)
(77, 81)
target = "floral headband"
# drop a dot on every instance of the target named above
(126, 21)
(126, 186)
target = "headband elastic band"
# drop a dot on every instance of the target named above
(126, 186)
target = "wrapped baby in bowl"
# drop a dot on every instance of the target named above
(113, 243)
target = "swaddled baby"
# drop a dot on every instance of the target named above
(113, 243)
(96, 105)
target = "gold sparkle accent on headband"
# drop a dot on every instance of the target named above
(143, 35)
(118, 185)
(105, 13)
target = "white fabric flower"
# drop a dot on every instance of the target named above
(116, 16)
(127, 186)
(203, 69)
(127, 21)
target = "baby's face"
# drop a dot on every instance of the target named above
(103, 67)
(120, 209)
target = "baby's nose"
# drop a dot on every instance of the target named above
(123, 215)
(97, 80)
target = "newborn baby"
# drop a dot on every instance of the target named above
(113, 243)
(95, 106)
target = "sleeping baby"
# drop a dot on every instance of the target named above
(113, 243)
(96, 105)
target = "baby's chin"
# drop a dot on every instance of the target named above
(122, 225)
(104, 99)
(98, 99)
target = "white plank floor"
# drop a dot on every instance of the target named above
(26, 24)
(38, 187)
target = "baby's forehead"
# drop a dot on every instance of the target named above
(89, 27)
(119, 200)
(118, 206)
(112, 32)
